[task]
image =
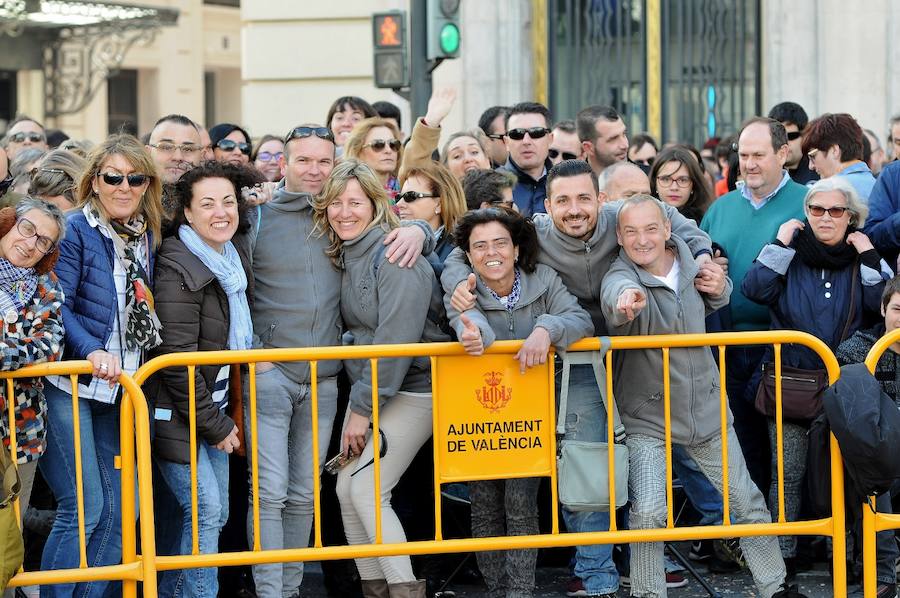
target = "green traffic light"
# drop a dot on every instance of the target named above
(449, 38)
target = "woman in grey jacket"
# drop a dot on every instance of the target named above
(381, 303)
(517, 298)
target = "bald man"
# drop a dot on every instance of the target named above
(622, 180)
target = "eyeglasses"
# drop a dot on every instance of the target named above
(812, 153)
(134, 179)
(553, 153)
(648, 162)
(379, 144)
(32, 137)
(411, 196)
(666, 181)
(533, 132)
(835, 212)
(27, 229)
(496, 136)
(269, 156)
(794, 135)
(187, 149)
(301, 132)
(227, 145)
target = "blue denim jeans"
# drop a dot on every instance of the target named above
(698, 489)
(102, 492)
(284, 421)
(212, 513)
(741, 381)
(586, 420)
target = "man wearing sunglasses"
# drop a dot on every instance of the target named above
(23, 133)
(528, 140)
(794, 119)
(297, 295)
(565, 144)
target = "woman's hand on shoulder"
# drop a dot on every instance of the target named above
(787, 230)
(860, 241)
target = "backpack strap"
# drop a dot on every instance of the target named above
(594, 359)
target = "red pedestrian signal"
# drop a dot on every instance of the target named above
(388, 31)
(391, 56)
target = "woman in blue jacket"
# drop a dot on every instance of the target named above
(808, 277)
(104, 267)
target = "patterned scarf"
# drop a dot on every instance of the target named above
(510, 301)
(142, 327)
(17, 286)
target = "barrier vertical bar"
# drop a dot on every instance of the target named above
(435, 418)
(723, 413)
(376, 449)
(128, 480)
(779, 434)
(667, 406)
(13, 442)
(611, 442)
(192, 426)
(254, 463)
(870, 583)
(838, 537)
(317, 501)
(79, 475)
(554, 490)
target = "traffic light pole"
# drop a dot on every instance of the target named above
(420, 69)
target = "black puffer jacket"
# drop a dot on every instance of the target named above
(193, 310)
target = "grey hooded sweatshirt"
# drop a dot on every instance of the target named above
(582, 263)
(389, 306)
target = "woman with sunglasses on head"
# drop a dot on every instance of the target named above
(56, 178)
(202, 285)
(230, 143)
(432, 194)
(516, 298)
(677, 179)
(267, 157)
(31, 308)
(376, 142)
(824, 277)
(380, 303)
(104, 267)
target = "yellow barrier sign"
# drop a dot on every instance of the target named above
(490, 420)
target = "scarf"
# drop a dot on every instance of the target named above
(510, 301)
(142, 326)
(818, 255)
(17, 286)
(229, 271)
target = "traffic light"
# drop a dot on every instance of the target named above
(391, 50)
(443, 29)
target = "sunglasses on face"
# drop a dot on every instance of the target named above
(134, 179)
(411, 196)
(794, 135)
(553, 153)
(378, 144)
(27, 229)
(496, 136)
(227, 145)
(301, 132)
(533, 132)
(32, 137)
(269, 156)
(835, 212)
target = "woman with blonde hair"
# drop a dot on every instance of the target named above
(380, 303)
(431, 193)
(105, 262)
(377, 143)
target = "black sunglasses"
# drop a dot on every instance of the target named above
(382, 451)
(533, 132)
(379, 144)
(794, 135)
(411, 196)
(32, 137)
(496, 136)
(302, 132)
(134, 179)
(553, 153)
(227, 145)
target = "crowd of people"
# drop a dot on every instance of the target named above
(347, 231)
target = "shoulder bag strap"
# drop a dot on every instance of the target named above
(595, 360)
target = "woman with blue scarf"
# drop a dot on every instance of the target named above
(201, 292)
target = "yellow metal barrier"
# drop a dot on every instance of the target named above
(134, 465)
(873, 521)
(832, 526)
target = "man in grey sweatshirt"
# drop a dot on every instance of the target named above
(578, 239)
(296, 303)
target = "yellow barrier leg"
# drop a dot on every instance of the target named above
(126, 458)
(870, 584)
(838, 533)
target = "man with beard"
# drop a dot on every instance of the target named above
(175, 148)
(603, 138)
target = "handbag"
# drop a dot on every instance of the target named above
(801, 390)
(582, 467)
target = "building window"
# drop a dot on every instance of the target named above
(122, 102)
(209, 102)
(234, 3)
(8, 92)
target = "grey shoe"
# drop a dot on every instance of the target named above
(409, 589)
(375, 588)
